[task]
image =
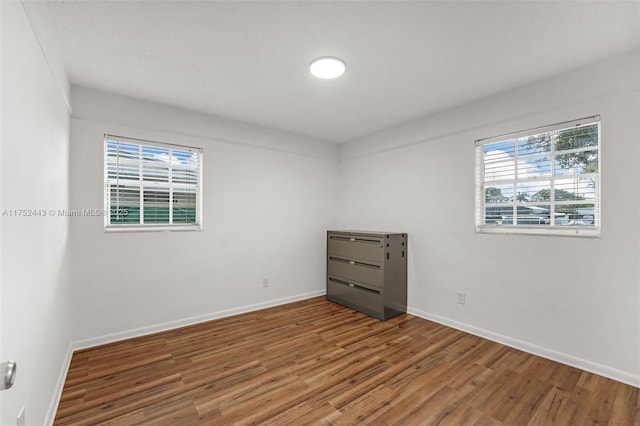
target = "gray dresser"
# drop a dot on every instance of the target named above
(367, 271)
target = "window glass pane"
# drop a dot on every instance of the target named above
(496, 214)
(539, 209)
(577, 162)
(534, 167)
(123, 150)
(125, 204)
(156, 154)
(184, 206)
(124, 169)
(535, 144)
(185, 158)
(498, 151)
(185, 167)
(499, 159)
(528, 215)
(498, 194)
(128, 170)
(580, 137)
(574, 189)
(531, 219)
(533, 191)
(580, 215)
(585, 216)
(501, 170)
(156, 164)
(122, 161)
(156, 205)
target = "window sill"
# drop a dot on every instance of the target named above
(556, 231)
(153, 228)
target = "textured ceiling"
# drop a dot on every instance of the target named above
(248, 60)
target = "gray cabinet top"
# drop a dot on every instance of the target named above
(357, 232)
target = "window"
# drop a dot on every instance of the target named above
(151, 186)
(540, 181)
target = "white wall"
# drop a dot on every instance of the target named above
(268, 201)
(35, 305)
(571, 299)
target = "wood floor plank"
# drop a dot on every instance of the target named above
(317, 363)
(547, 412)
(622, 412)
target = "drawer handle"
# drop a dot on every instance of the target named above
(355, 240)
(354, 286)
(359, 287)
(335, 280)
(354, 262)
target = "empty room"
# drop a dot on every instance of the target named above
(319, 212)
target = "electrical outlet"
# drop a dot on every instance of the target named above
(265, 282)
(20, 421)
(461, 298)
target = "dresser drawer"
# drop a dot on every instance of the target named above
(358, 246)
(356, 296)
(364, 271)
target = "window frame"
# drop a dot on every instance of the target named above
(546, 229)
(141, 183)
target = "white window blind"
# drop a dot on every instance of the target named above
(151, 185)
(540, 181)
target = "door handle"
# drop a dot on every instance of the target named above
(7, 374)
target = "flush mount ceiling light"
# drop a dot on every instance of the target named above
(327, 67)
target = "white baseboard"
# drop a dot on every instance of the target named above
(57, 392)
(583, 364)
(143, 331)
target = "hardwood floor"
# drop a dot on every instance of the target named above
(315, 362)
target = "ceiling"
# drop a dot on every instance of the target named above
(405, 60)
